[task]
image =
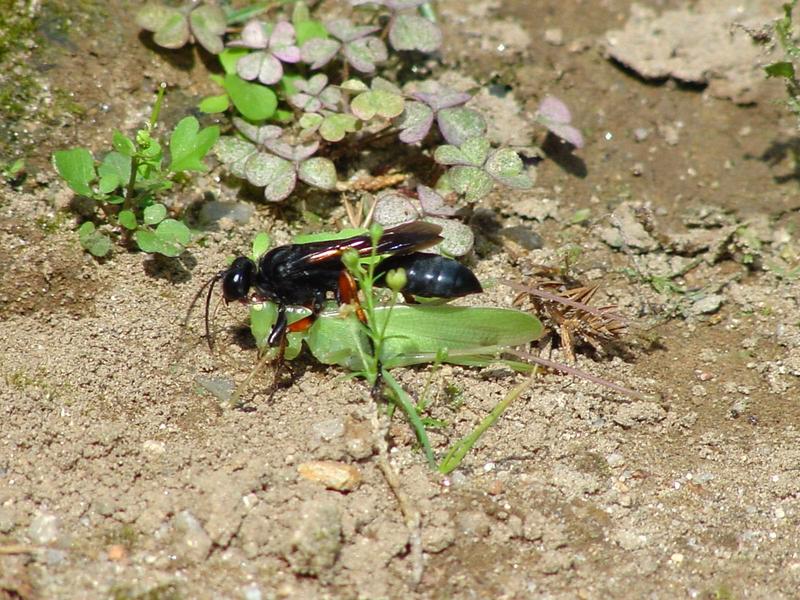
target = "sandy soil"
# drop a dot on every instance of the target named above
(121, 477)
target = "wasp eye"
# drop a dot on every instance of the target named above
(237, 279)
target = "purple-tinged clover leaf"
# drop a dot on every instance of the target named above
(433, 203)
(360, 48)
(274, 46)
(456, 122)
(474, 167)
(394, 208)
(174, 27)
(266, 161)
(555, 116)
(408, 31)
(314, 94)
(413, 32)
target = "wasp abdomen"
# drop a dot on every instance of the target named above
(433, 276)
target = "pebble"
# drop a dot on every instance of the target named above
(238, 212)
(193, 542)
(7, 520)
(333, 475)
(524, 236)
(44, 529)
(554, 36)
(708, 305)
(251, 592)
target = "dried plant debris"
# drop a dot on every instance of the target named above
(565, 309)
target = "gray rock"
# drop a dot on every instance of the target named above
(238, 212)
(192, 543)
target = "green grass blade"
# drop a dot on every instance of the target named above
(459, 450)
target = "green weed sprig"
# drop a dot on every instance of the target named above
(126, 183)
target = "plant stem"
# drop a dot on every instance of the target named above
(401, 398)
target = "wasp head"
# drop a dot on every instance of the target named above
(236, 283)
(238, 279)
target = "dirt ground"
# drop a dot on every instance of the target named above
(120, 477)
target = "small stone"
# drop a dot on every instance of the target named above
(739, 407)
(7, 520)
(615, 459)
(329, 430)
(193, 543)
(251, 592)
(524, 236)
(214, 211)
(638, 169)
(44, 529)
(333, 475)
(154, 447)
(117, 553)
(473, 523)
(677, 558)
(358, 439)
(640, 134)
(708, 305)
(554, 36)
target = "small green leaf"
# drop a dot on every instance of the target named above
(208, 25)
(92, 240)
(256, 102)
(319, 172)
(334, 127)
(188, 145)
(471, 182)
(506, 166)
(780, 69)
(310, 29)
(174, 231)
(377, 102)
(169, 238)
(261, 244)
(310, 121)
(154, 213)
(228, 58)
(580, 216)
(114, 200)
(114, 172)
(127, 219)
(234, 153)
(450, 155)
(123, 144)
(277, 175)
(76, 166)
(476, 150)
(214, 104)
(173, 33)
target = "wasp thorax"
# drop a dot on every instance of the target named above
(238, 279)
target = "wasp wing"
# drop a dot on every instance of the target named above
(402, 239)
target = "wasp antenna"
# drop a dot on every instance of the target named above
(195, 298)
(213, 281)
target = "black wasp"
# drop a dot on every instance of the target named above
(303, 274)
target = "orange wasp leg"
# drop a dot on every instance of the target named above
(348, 293)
